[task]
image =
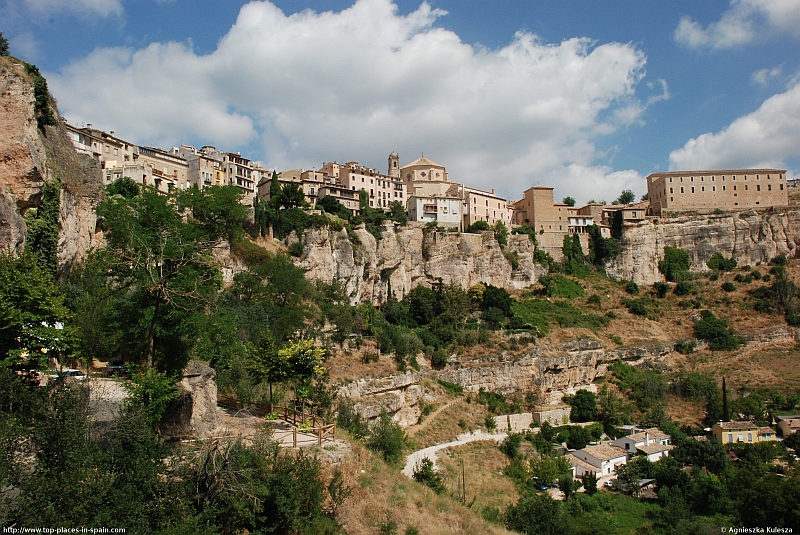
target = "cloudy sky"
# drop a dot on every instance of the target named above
(588, 96)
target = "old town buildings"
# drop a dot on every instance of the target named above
(426, 192)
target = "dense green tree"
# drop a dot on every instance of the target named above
(569, 201)
(584, 406)
(626, 197)
(3, 45)
(33, 318)
(716, 331)
(423, 304)
(125, 186)
(333, 206)
(537, 514)
(601, 249)
(500, 233)
(589, 482)
(494, 297)
(675, 262)
(387, 438)
(425, 474)
(292, 196)
(478, 226)
(579, 437)
(160, 258)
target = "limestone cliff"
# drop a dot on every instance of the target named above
(29, 156)
(408, 256)
(549, 372)
(749, 237)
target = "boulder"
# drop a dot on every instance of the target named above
(194, 412)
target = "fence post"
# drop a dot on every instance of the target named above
(319, 437)
(294, 437)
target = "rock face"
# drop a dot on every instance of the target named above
(549, 372)
(749, 237)
(30, 156)
(405, 257)
(194, 412)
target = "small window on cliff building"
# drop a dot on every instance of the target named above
(681, 189)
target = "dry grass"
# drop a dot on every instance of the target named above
(483, 466)
(685, 411)
(768, 366)
(445, 426)
(349, 365)
(382, 493)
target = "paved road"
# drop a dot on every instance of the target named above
(430, 452)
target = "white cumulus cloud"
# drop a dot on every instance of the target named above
(766, 137)
(742, 23)
(357, 84)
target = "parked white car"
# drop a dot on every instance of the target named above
(70, 373)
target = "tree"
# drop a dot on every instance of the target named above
(579, 437)
(292, 196)
(569, 201)
(494, 297)
(303, 364)
(584, 406)
(675, 262)
(478, 226)
(387, 438)
(567, 485)
(125, 186)
(589, 482)
(725, 412)
(500, 233)
(3, 45)
(425, 474)
(423, 304)
(397, 212)
(32, 315)
(151, 391)
(626, 197)
(537, 514)
(267, 363)
(163, 265)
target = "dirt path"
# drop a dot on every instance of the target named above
(431, 451)
(416, 428)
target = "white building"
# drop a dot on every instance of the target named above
(651, 442)
(445, 210)
(604, 459)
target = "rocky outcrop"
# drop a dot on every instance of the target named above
(407, 256)
(194, 412)
(549, 372)
(749, 237)
(31, 156)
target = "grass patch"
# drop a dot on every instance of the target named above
(560, 286)
(541, 313)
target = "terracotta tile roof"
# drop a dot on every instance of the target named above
(654, 448)
(734, 426)
(604, 452)
(766, 431)
(574, 461)
(793, 421)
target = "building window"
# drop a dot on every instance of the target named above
(681, 189)
(758, 187)
(723, 188)
(670, 190)
(769, 187)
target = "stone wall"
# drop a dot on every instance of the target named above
(408, 256)
(513, 423)
(749, 237)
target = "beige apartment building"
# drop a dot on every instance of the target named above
(707, 191)
(480, 205)
(202, 166)
(552, 220)
(631, 213)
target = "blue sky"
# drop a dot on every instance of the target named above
(586, 96)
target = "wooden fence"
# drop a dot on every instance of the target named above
(318, 426)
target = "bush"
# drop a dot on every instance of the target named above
(739, 277)
(779, 260)
(767, 277)
(296, 249)
(425, 474)
(756, 274)
(716, 332)
(728, 287)
(675, 262)
(478, 226)
(594, 300)
(631, 287)
(683, 288)
(452, 388)
(685, 347)
(644, 306)
(661, 289)
(387, 438)
(717, 262)
(439, 358)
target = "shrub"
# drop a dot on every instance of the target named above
(714, 276)
(779, 260)
(717, 262)
(439, 358)
(631, 287)
(494, 317)
(756, 274)
(296, 249)
(490, 423)
(685, 347)
(748, 279)
(675, 262)
(683, 288)
(728, 286)
(452, 388)
(594, 300)
(644, 306)
(767, 277)
(739, 277)
(661, 289)
(425, 474)
(716, 331)
(478, 226)
(387, 438)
